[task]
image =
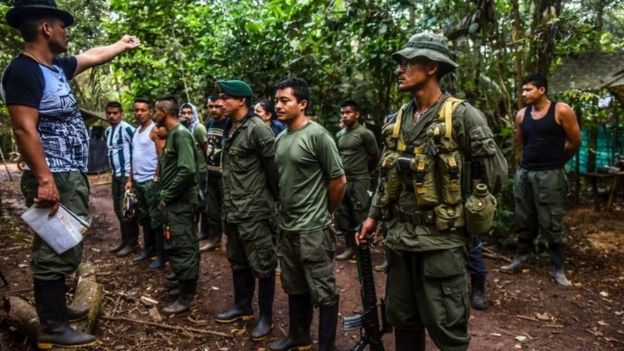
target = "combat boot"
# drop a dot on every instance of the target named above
(266, 291)
(557, 257)
(244, 285)
(328, 321)
(478, 297)
(349, 251)
(409, 339)
(185, 299)
(300, 318)
(54, 329)
(520, 259)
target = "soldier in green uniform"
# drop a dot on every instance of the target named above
(178, 202)
(432, 147)
(359, 153)
(249, 193)
(190, 119)
(312, 184)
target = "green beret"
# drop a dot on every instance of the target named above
(235, 88)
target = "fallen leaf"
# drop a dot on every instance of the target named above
(604, 294)
(520, 338)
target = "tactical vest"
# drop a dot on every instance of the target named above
(435, 168)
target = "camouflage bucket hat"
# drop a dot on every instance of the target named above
(429, 45)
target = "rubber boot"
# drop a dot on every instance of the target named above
(478, 297)
(409, 339)
(557, 258)
(148, 244)
(522, 256)
(328, 321)
(54, 329)
(214, 242)
(131, 230)
(204, 233)
(122, 241)
(171, 276)
(185, 299)
(349, 251)
(383, 266)
(244, 286)
(266, 291)
(76, 313)
(159, 246)
(300, 318)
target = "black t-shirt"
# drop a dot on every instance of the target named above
(216, 130)
(61, 128)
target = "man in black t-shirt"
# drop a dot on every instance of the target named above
(53, 140)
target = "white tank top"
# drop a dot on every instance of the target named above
(144, 158)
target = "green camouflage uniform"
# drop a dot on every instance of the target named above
(307, 159)
(427, 265)
(355, 144)
(249, 179)
(73, 188)
(178, 194)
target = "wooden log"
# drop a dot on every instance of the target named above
(21, 314)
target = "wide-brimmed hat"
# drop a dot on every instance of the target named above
(430, 45)
(24, 9)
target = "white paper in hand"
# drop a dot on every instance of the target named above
(62, 231)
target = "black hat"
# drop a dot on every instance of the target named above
(24, 9)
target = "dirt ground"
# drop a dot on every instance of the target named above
(528, 311)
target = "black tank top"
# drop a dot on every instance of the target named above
(544, 141)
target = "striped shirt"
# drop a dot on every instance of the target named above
(119, 146)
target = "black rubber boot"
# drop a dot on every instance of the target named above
(54, 328)
(523, 252)
(130, 232)
(349, 251)
(204, 232)
(557, 258)
(148, 244)
(409, 339)
(478, 297)
(171, 276)
(300, 318)
(159, 245)
(244, 286)
(76, 313)
(328, 321)
(214, 242)
(266, 291)
(186, 297)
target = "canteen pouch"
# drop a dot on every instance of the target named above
(449, 217)
(450, 165)
(423, 171)
(480, 209)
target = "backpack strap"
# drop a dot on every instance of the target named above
(446, 114)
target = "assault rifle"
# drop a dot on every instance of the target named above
(368, 321)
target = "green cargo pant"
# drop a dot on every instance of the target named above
(129, 229)
(429, 289)
(354, 206)
(147, 204)
(214, 199)
(306, 261)
(250, 245)
(540, 203)
(182, 248)
(73, 188)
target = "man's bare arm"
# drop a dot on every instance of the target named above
(103, 54)
(519, 134)
(335, 191)
(569, 123)
(24, 120)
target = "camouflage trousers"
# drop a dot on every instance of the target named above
(540, 203)
(428, 289)
(306, 261)
(73, 188)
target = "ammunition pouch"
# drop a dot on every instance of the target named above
(390, 179)
(424, 183)
(413, 217)
(450, 167)
(449, 217)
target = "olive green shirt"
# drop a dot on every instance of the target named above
(476, 144)
(178, 167)
(307, 159)
(356, 144)
(249, 172)
(201, 138)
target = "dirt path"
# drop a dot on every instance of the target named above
(528, 311)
